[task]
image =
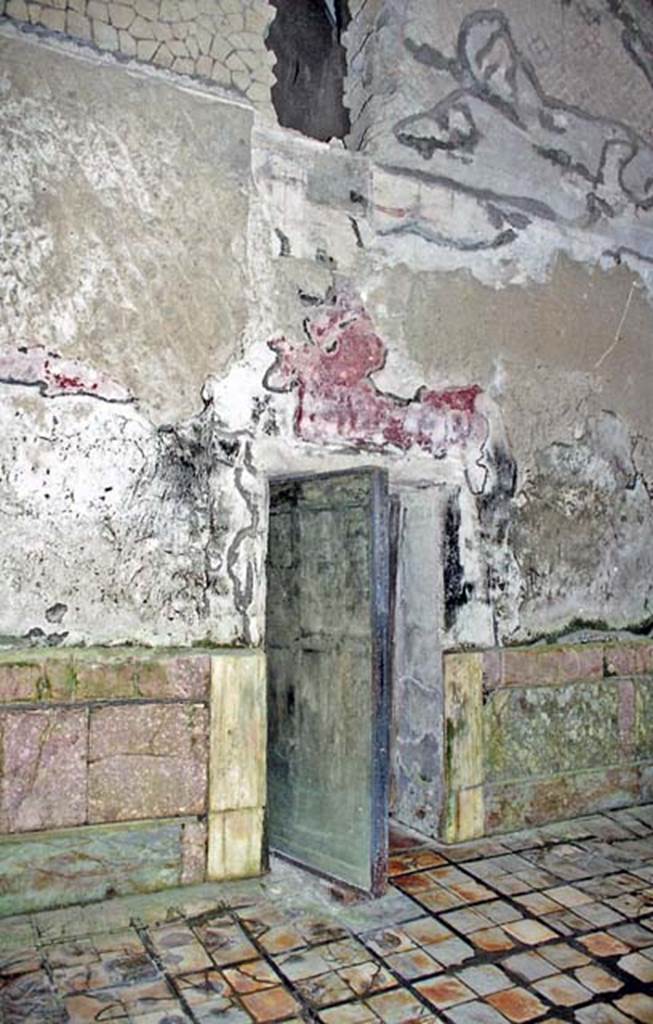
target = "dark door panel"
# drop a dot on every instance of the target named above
(328, 700)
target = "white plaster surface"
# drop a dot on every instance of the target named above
(160, 236)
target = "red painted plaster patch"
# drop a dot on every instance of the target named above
(55, 375)
(338, 401)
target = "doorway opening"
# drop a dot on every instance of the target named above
(308, 94)
(354, 688)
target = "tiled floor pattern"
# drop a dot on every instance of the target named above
(554, 924)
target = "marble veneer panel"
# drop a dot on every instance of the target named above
(78, 865)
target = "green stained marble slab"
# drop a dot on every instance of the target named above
(55, 869)
(644, 718)
(545, 730)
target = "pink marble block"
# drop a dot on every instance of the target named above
(20, 682)
(186, 677)
(43, 769)
(147, 761)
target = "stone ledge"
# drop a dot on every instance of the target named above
(632, 659)
(542, 666)
(528, 802)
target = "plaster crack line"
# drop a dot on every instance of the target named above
(617, 336)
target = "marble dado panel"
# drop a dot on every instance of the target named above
(540, 734)
(91, 739)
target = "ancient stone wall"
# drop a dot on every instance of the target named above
(194, 299)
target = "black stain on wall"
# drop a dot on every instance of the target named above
(284, 242)
(457, 592)
(56, 612)
(495, 514)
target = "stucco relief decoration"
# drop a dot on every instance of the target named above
(338, 402)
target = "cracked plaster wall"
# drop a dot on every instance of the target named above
(504, 139)
(156, 238)
(124, 224)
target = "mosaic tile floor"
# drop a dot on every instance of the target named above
(553, 924)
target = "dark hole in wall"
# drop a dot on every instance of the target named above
(305, 37)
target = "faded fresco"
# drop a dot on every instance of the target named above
(332, 370)
(500, 134)
(607, 165)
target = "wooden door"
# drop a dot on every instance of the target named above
(328, 687)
